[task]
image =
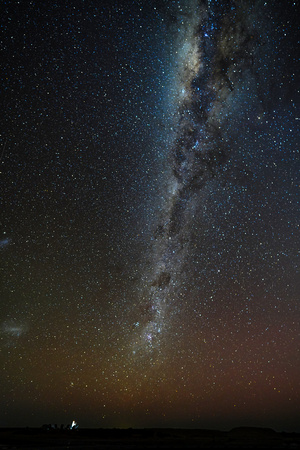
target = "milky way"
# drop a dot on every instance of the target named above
(215, 49)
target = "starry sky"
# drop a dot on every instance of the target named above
(149, 225)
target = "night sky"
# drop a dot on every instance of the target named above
(149, 221)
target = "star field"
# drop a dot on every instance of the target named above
(149, 227)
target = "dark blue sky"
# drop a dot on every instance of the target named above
(149, 217)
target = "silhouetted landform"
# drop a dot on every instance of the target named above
(51, 437)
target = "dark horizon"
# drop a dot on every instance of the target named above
(277, 423)
(168, 438)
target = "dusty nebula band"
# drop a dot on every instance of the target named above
(215, 48)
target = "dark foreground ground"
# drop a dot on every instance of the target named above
(93, 439)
